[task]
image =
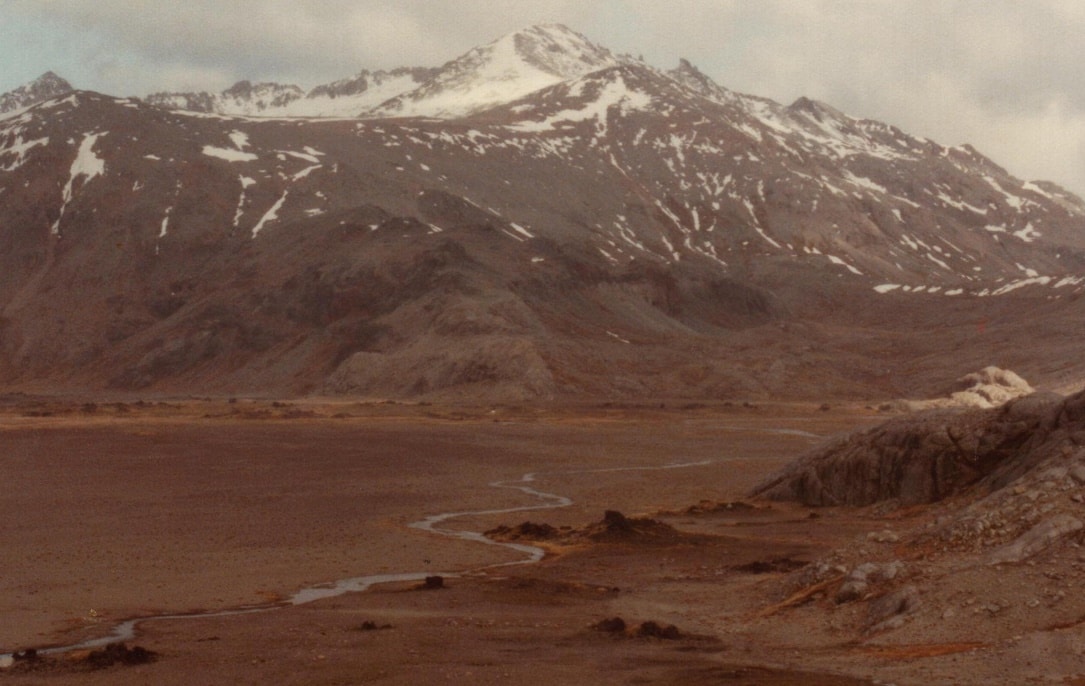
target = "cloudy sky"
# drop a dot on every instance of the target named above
(1004, 75)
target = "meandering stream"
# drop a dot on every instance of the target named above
(126, 630)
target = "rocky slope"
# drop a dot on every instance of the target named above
(974, 534)
(576, 223)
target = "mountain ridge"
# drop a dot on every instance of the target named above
(623, 232)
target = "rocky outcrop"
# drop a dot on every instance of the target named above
(929, 456)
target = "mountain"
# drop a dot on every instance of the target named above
(46, 86)
(589, 226)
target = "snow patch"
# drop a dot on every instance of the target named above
(1027, 234)
(614, 335)
(271, 215)
(615, 94)
(864, 182)
(960, 204)
(87, 166)
(229, 154)
(313, 159)
(305, 172)
(521, 230)
(837, 261)
(246, 182)
(165, 223)
(240, 139)
(1032, 281)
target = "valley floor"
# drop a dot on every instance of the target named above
(115, 510)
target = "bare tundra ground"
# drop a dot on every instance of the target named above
(116, 511)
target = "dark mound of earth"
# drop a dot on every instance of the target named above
(615, 527)
(527, 531)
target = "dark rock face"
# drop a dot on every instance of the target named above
(932, 455)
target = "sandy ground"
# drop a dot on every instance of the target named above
(122, 510)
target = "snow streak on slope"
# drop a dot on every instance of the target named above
(229, 154)
(87, 166)
(271, 215)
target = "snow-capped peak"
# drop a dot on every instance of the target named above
(502, 71)
(693, 78)
(46, 86)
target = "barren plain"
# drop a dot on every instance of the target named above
(114, 511)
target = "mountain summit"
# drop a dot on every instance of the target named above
(46, 86)
(504, 70)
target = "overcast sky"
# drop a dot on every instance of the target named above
(1004, 75)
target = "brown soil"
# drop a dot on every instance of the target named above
(130, 510)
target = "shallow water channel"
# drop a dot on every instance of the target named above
(127, 630)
